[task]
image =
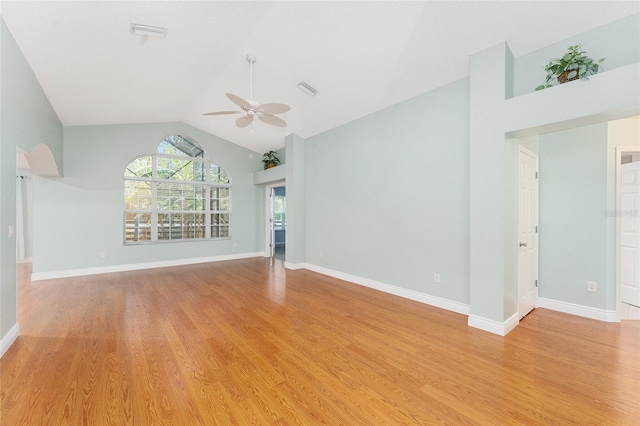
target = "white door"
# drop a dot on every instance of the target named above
(629, 238)
(527, 231)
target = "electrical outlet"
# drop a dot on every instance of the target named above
(321, 254)
(11, 232)
(592, 286)
(235, 245)
(103, 255)
(436, 278)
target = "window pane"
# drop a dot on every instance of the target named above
(137, 195)
(220, 225)
(140, 167)
(220, 199)
(179, 226)
(173, 196)
(218, 175)
(175, 169)
(224, 199)
(137, 227)
(193, 225)
(180, 145)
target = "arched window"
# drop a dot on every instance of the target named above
(175, 194)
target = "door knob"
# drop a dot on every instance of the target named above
(523, 244)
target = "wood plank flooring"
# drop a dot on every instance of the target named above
(245, 342)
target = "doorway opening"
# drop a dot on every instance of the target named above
(279, 197)
(276, 220)
(24, 209)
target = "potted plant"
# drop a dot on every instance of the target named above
(270, 159)
(573, 65)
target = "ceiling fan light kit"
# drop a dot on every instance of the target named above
(252, 108)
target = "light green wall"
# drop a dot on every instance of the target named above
(529, 68)
(573, 224)
(296, 196)
(27, 119)
(80, 215)
(387, 195)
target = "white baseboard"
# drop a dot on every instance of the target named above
(8, 339)
(580, 310)
(25, 260)
(38, 276)
(492, 326)
(294, 266)
(427, 299)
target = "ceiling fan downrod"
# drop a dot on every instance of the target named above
(251, 58)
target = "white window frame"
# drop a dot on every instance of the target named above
(154, 211)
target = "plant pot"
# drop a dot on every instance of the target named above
(269, 165)
(564, 77)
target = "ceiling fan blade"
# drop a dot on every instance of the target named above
(273, 120)
(239, 101)
(274, 108)
(244, 121)
(222, 112)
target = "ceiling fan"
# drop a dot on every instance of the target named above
(264, 112)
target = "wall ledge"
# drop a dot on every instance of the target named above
(273, 174)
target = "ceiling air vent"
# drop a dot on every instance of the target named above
(307, 89)
(148, 30)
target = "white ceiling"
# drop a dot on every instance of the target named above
(361, 56)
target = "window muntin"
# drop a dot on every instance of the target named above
(173, 196)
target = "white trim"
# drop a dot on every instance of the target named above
(8, 339)
(294, 266)
(492, 326)
(524, 150)
(136, 266)
(580, 310)
(618, 224)
(449, 305)
(25, 260)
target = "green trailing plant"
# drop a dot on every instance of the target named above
(270, 159)
(575, 64)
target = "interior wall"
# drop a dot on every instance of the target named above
(387, 196)
(27, 120)
(79, 216)
(573, 223)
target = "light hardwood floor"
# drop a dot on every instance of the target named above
(246, 342)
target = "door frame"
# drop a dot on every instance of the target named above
(619, 151)
(523, 150)
(267, 214)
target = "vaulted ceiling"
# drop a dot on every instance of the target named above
(361, 56)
